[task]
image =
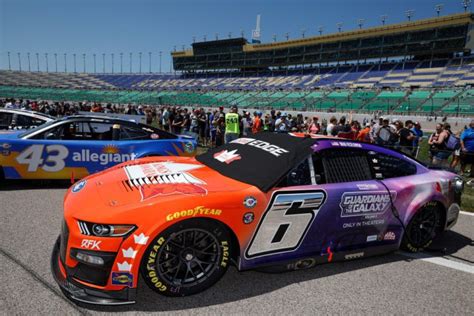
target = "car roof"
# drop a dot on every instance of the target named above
(98, 118)
(28, 113)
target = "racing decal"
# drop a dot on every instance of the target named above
(354, 255)
(285, 222)
(365, 187)
(250, 202)
(90, 244)
(248, 218)
(122, 278)
(365, 203)
(197, 211)
(124, 266)
(227, 156)
(371, 238)
(260, 144)
(129, 253)
(151, 266)
(54, 161)
(225, 253)
(346, 144)
(79, 186)
(140, 239)
(165, 178)
(389, 236)
(110, 154)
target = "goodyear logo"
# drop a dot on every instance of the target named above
(365, 203)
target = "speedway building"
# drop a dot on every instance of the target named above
(419, 67)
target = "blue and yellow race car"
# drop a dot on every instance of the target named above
(76, 146)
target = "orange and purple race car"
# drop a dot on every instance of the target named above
(270, 200)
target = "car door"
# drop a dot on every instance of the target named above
(5, 120)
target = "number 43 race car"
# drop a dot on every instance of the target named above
(273, 200)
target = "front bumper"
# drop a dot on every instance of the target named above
(80, 293)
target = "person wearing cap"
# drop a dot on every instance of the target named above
(406, 136)
(467, 148)
(282, 125)
(246, 123)
(232, 125)
(417, 131)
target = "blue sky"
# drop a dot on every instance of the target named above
(115, 26)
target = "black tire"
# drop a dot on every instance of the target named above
(187, 258)
(423, 228)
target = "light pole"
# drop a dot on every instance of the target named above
(37, 62)
(409, 14)
(74, 62)
(360, 22)
(466, 4)
(29, 63)
(84, 62)
(9, 62)
(230, 34)
(47, 62)
(339, 26)
(274, 37)
(303, 32)
(103, 63)
(112, 55)
(56, 62)
(204, 38)
(217, 36)
(65, 63)
(19, 61)
(194, 39)
(130, 62)
(121, 63)
(320, 30)
(383, 18)
(149, 62)
(161, 53)
(438, 8)
(95, 63)
(140, 61)
(242, 33)
(287, 35)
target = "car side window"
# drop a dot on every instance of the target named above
(131, 133)
(23, 120)
(300, 175)
(5, 119)
(336, 166)
(386, 166)
(100, 131)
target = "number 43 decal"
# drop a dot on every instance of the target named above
(54, 161)
(285, 222)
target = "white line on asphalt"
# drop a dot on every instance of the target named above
(466, 213)
(441, 261)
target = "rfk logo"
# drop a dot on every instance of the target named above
(90, 244)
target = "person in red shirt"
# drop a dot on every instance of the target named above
(364, 134)
(257, 122)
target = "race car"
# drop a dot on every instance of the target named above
(261, 202)
(11, 119)
(77, 146)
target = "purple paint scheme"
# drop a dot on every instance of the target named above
(356, 219)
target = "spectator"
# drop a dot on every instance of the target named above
(418, 132)
(177, 123)
(220, 129)
(341, 127)
(246, 124)
(282, 125)
(438, 151)
(467, 149)
(257, 122)
(232, 126)
(384, 134)
(314, 127)
(364, 134)
(331, 125)
(406, 137)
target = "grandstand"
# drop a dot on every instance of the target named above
(419, 67)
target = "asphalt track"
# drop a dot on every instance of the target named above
(427, 283)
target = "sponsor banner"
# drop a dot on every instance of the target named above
(365, 203)
(122, 278)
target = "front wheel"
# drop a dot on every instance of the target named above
(422, 229)
(187, 258)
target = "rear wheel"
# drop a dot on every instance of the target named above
(187, 258)
(422, 229)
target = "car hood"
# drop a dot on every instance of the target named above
(165, 182)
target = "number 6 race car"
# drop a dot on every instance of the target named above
(269, 200)
(76, 146)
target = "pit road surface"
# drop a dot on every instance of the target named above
(429, 283)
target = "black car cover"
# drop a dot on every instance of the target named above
(260, 160)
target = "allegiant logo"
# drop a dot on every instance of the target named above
(85, 155)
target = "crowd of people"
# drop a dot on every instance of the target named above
(215, 127)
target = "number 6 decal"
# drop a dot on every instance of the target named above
(285, 222)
